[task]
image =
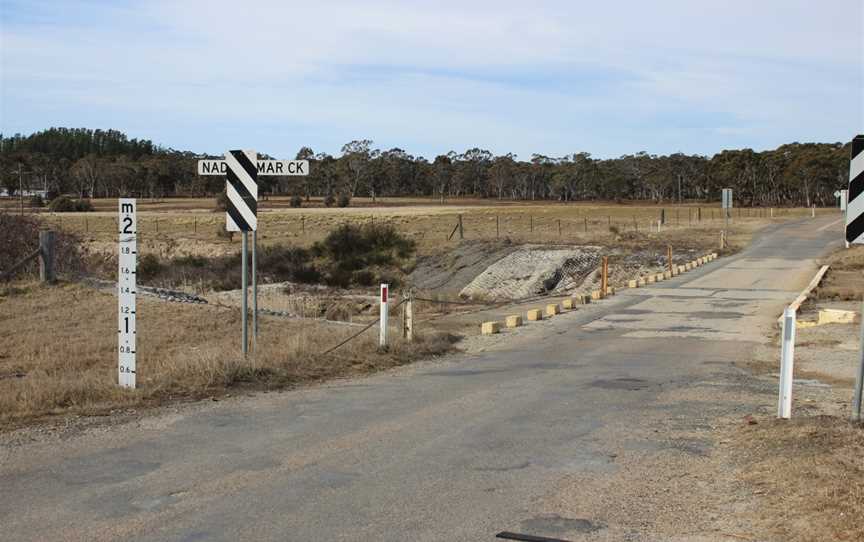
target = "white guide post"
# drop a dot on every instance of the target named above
(787, 357)
(126, 286)
(382, 326)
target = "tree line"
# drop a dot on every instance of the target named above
(97, 163)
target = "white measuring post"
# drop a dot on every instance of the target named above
(126, 287)
(382, 326)
(787, 357)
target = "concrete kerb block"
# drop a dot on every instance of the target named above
(552, 309)
(584, 299)
(651, 279)
(535, 315)
(610, 290)
(568, 303)
(633, 284)
(490, 328)
(667, 275)
(596, 294)
(660, 277)
(641, 282)
(513, 321)
(682, 269)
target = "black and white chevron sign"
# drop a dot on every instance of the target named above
(855, 203)
(241, 185)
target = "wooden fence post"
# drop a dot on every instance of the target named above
(497, 226)
(461, 228)
(604, 277)
(559, 227)
(669, 257)
(586, 224)
(46, 256)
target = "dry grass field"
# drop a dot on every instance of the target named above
(189, 226)
(59, 353)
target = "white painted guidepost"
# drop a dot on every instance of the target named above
(126, 286)
(382, 325)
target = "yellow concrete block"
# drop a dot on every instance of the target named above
(714, 255)
(584, 299)
(641, 282)
(596, 294)
(667, 275)
(659, 277)
(633, 284)
(836, 316)
(610, 290)
(534, 315)
(552, 309)
(567, 303)
(489, 328)
(682, 269)
(651, 279)
(513, 321)
(700, 261)
(688, 266)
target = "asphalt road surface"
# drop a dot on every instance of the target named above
(456, 449)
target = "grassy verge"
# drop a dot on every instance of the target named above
(58, 354)
(808, 473)
(845, 278)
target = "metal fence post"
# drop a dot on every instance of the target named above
(787, 358)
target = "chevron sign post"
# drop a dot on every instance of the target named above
(855, 203)
(241, 170)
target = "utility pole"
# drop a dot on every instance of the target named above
(21, 188)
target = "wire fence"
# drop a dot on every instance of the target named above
(554, 222)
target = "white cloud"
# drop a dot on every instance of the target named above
(550, 77)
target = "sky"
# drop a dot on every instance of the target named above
(554, 78)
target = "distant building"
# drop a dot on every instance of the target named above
(28, 192)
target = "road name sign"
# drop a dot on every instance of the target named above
(290, 168)
(855, 203)
(126, 287)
